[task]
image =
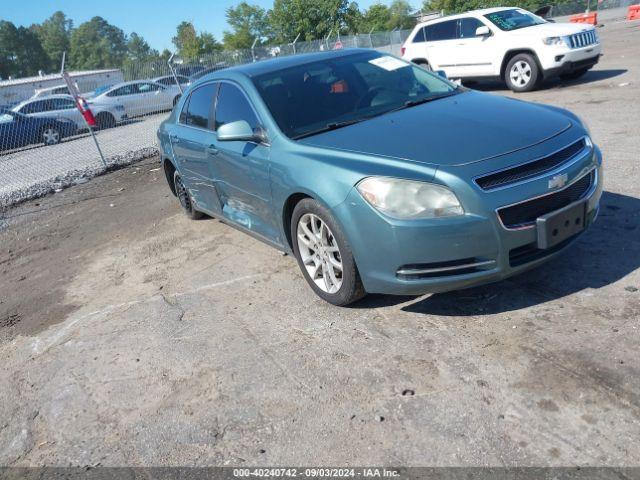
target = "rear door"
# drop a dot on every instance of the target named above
(442, 40)
(474, 53)
(192, 138)
(241, 169)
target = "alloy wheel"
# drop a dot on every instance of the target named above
(520, 73)
(50, 136)
(320, 253)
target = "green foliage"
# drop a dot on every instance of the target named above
(54, 35)
(189, 44)
(459, 6)
(97, 44)
(380, 17)
(313, 19)
(21, 53)
(248, 22)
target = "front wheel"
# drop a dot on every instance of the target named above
(324, 255)
(522, 73)
(51, 135)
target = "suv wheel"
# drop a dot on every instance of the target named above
(522, 73)
(324, 255)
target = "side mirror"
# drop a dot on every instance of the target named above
(239, 131)
(441, 73)
(483, 31)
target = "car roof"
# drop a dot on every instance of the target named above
(280, 63)
(480, 11)
(42, 99)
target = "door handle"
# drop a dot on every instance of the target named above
(212, 150)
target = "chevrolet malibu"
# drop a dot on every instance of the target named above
(379, 176)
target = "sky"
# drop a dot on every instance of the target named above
(155, 20)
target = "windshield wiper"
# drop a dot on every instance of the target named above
(330, 126)
(420, 101)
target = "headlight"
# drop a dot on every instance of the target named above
(553, 41)
(408, 199)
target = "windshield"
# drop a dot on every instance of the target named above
(514, 19)
(320, 96)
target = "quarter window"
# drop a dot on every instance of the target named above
(468, 27)
(420, 36)
(232, 106)
(441, 31)
(197, 110)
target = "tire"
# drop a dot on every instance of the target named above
(186, 202)
(322, 247)
(424, 64)
(105, 120)
(574, 75)
(522, 73)
(50, 135)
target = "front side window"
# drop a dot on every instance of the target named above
(147, 87)
(63, 104)
(232, 106)
(198, 108)
(314, 97)
(468, 27)
(441, 31)
(514, 19)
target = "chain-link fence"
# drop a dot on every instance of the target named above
(45, 142)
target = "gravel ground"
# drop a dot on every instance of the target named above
(132, 336)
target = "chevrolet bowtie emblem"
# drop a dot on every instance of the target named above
(558, 181)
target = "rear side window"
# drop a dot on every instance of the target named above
(468, 27)
(441, 31)
(420, 36)
(232, 106)
(197, 110)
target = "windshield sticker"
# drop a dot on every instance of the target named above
(388, 63)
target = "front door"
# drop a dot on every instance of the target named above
(474, 53)
(241, 169)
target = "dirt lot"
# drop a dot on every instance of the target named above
(132, 336)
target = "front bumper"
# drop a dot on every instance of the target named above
(558, 61)
(452, 253)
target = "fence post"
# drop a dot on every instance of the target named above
(253, 53)
(173, 72)
(326, 40)
(293, 44)
(370, 40)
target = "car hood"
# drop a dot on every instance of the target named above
(456, 130)
(553, 29)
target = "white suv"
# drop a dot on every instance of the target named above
(509, 43)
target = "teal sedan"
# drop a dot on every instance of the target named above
(379, 176)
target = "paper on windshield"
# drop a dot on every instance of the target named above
(388, 63)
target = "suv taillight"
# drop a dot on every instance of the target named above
(402, 50)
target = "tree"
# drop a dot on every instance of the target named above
(54, 34)
(313, 19)
(97, 44)
(376, 18)
(401, 18)
(189, 44)
(21, 54)
(248, 23)
(138, 50)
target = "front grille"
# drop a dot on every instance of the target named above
(583, 39)
(526, 213)
(531, 169)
